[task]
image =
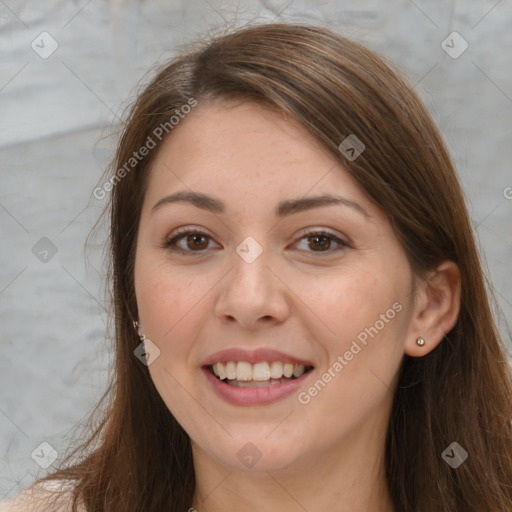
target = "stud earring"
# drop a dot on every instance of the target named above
(420, 342)
(136, 326)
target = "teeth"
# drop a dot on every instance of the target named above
(261, 371)
(231, 370)
(298, 370)
(288, 370)
(256, 384)
(276, 370)
(242, 371)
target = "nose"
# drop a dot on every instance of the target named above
(252, 294)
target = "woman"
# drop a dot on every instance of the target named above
(301, 320)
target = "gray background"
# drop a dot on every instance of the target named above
(56, 117)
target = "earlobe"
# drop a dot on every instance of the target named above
(436, 309)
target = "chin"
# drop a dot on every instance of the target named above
(257, 454)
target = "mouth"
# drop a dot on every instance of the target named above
(263, 376)
(243, 374)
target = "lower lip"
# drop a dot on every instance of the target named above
(254, 396)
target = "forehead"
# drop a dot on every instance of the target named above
(246, 152)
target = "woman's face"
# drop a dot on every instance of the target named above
(266, 278)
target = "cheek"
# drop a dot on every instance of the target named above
(348, 302)
(366, 320)
(363, 356)
(168, 303)
(174, 303)
(165, 297)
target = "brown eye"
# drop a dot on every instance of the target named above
(193, 241)
(187, 241)
(196, 241)
(321, 242)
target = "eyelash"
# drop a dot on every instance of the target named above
(170, 244)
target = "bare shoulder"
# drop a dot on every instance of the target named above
(50, 496)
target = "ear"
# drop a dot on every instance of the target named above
(436, 309)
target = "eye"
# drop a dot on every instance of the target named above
(321, 241)
(195, 241)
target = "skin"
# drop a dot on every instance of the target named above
(301, 296)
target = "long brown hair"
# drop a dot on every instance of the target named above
(461, 391)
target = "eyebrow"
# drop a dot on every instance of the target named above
(283, 208)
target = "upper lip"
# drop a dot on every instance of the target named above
(253, 356)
